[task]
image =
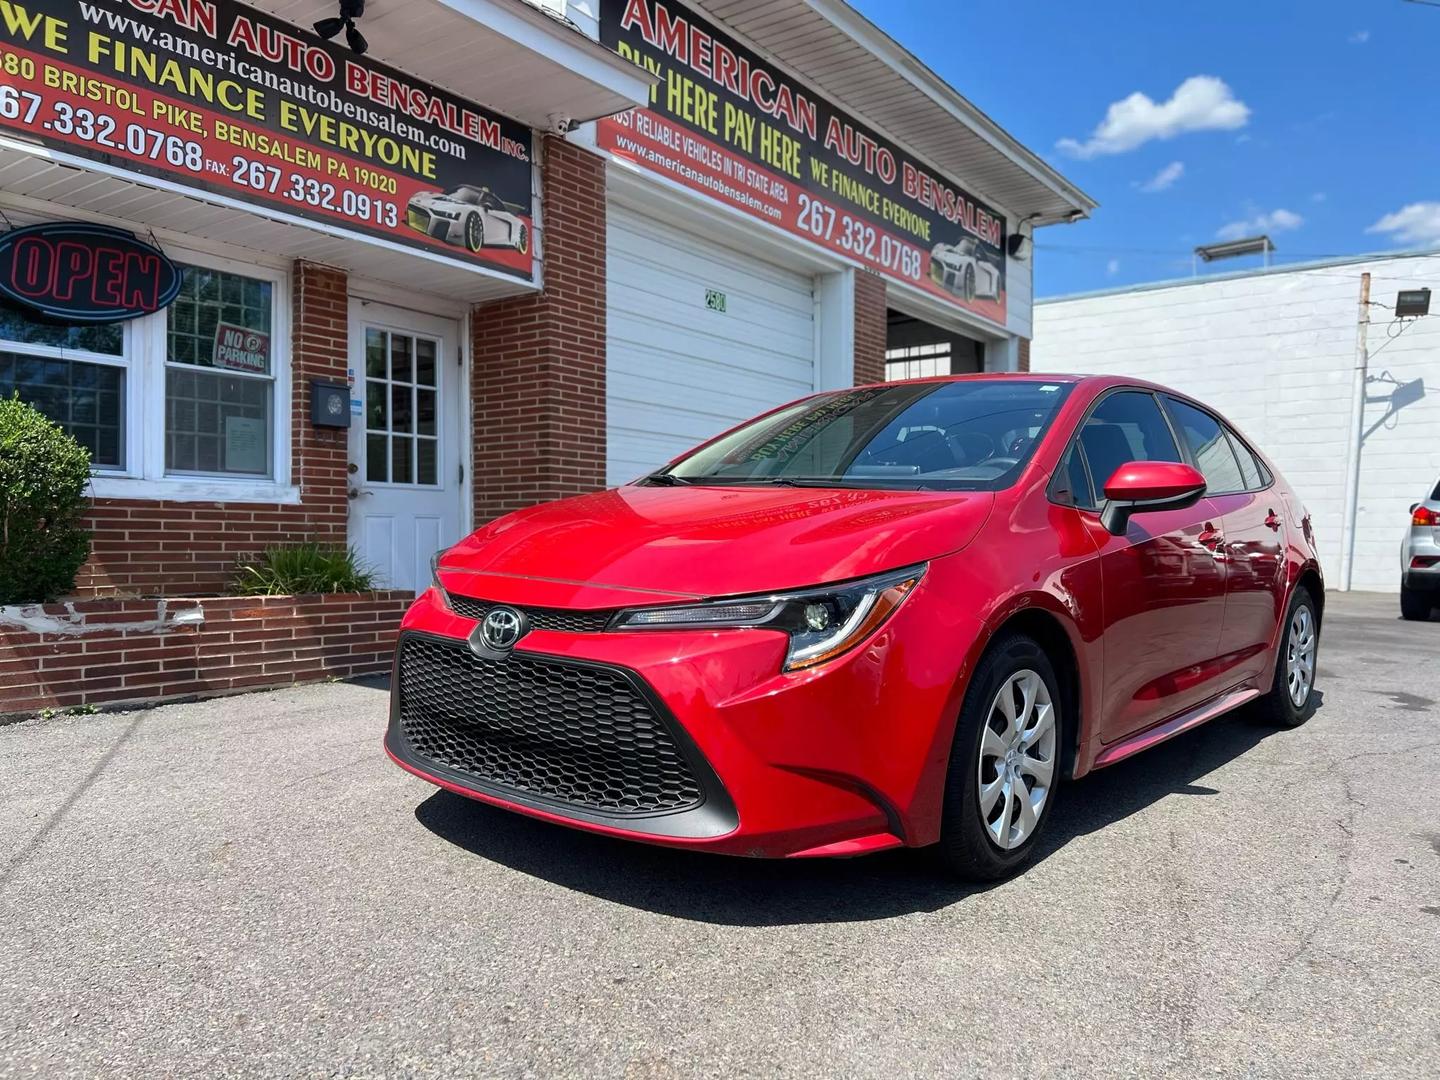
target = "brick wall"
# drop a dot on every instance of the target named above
(871, 327)
(146, 548)
(97, 651)
(538, 394)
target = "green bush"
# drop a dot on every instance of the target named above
(300, 569)
(43, 473)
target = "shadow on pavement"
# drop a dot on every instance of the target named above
(757, 892)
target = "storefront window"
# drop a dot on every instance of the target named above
(74, 374)
(219, 380)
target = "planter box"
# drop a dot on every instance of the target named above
(89, 652)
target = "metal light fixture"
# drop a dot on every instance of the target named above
(350, 10)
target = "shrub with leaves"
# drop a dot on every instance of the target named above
(43, 473)
(301, 569)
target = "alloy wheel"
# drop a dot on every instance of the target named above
(1017, 759)
(1300, 656)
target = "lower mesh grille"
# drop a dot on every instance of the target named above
(578, 735)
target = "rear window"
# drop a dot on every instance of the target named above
(1435, 495)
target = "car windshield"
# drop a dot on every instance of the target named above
(943, 436)
(466, 195)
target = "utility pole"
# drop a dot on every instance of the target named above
(1357, 436)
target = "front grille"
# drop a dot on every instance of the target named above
(565, 620)
(580, 735)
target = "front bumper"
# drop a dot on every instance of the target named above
(843, 759)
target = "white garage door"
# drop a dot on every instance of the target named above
(680, 372)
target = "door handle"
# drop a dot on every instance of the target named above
(1272, 522)
(355, 493)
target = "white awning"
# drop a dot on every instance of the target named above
(507, 55)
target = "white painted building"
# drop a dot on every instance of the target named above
(1275, 351)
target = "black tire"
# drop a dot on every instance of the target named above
(474, 233)
(969, 283)
(1277, 707)
(967, 849)
(522, 242)
(1416, 605)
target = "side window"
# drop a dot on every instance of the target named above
(1126, 427)
(1208, 446)
(1249, 465)
(1072, 482)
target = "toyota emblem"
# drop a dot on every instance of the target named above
(502, 628)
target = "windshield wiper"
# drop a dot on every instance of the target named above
(665, 479)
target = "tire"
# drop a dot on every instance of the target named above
(522, 242)
(969, 847)
(1416, 605)
(1280, 706)
(969, 283)
(474, 234)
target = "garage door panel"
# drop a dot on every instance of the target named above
(678, 373)
(687, 355)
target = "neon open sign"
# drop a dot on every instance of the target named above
(78, 272)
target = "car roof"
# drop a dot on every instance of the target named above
(1096, 382)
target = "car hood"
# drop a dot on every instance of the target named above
(708, 541)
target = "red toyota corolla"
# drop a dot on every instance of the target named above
(895, 615)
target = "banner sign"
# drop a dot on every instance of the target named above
(725, 122)
(78, 272)
(225, 99)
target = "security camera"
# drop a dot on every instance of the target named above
(560, 124)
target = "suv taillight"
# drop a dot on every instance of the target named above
(1425, 516)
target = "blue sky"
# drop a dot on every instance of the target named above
(1314, 121)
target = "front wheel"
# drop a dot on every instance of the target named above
(1291, 700)
(1004, 763)
(969, 283)
(1415, 605)
(474, 233)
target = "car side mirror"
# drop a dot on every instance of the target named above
(1142, 487)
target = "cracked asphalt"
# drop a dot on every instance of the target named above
(247, 887)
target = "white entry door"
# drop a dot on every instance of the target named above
(406, 478)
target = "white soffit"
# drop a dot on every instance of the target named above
(863, 70)
(35, 179)
(506, 55)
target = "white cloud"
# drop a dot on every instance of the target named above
(1273, 222)
(1200, 103)
(1417, 225)
(1163, 179)
(1112, 267)
(1360, 37)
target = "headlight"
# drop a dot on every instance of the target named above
(822, 623)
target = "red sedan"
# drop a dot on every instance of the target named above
(902, 614)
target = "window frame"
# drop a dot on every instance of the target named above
(1267, 479)
(148, 365)
(1056, 488)
(125, 361)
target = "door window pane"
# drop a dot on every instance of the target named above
(87, 400)
(427, 465)
(1126, 427)
(1249, 464)
(1208, 446)
(377, 458)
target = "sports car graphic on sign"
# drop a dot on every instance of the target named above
(962, 269)
(468, 217)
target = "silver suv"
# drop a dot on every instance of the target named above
(1420, 560)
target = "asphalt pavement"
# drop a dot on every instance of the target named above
(248, 887)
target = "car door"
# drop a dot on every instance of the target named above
(1163, 586)
(1252, 516)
